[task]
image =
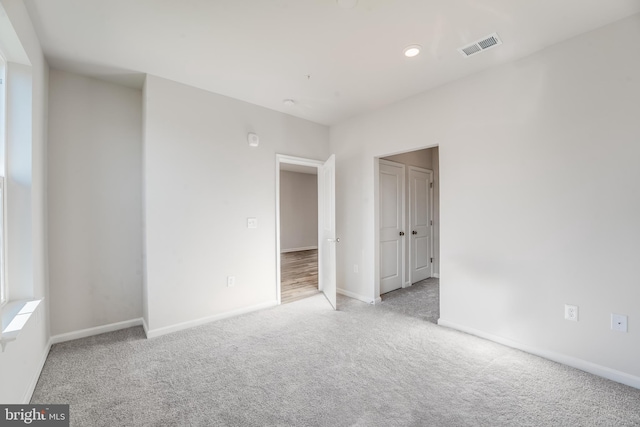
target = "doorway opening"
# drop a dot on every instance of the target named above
(409, 219)
(298, 232)
(305, 229)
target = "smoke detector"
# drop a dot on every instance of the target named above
(253, 139)
(481, 45)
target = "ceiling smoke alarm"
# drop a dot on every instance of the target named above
(481, 45)
(253, 139)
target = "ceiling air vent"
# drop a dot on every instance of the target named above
(480, 45)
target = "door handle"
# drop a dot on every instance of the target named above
(414, 232)
(336, 240)
(402, 233)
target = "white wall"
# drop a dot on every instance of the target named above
(201, 183)
(426, 159)
(298, 211)
(539, 192)
(22, 360)
(95, 202)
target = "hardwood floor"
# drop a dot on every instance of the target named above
(299, 275)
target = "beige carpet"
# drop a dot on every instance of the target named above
(303, 364)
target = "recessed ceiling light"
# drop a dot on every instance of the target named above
(412, 50)
(289, 102)
(347, 4)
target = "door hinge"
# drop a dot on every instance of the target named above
(431, 260)
(431, 185)
(431, 222)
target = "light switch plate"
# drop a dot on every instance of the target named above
(252, 222)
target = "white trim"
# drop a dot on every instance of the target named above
(18, 312)
(292, 160)
(406, 285)
(83, 333)
(4, 283)
(359, 297)
(436, 275)
(376, 229)
(4, 288)
(583, 365)
(153, 333)
(306, 248)
(28, 394)
(145, 327)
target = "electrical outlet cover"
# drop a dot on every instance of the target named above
(571, 312)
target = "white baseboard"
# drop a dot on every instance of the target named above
(436, 275)
(306, 248)
(145, 327)
(34, 380)
(406, 285)
(152, 333)
(353, 295)
(574, 362)
(95, 331)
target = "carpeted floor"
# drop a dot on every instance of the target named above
(421, 300)
(303, 364)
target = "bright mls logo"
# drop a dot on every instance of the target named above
(34, 415)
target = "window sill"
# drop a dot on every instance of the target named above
(15, 315)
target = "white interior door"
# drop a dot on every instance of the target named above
(391, 184)
(327, 240)
(421, 217)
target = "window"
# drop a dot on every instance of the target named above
(3, 288)
(3, 281)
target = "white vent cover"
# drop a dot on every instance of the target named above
(480, 45)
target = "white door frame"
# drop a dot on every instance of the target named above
(291, 160)
(429, 172)
(375, 298)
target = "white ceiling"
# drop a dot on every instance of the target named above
(335, 63)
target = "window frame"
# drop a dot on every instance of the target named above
(4, 290)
